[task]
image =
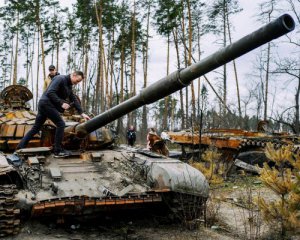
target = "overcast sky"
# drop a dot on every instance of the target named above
(244, 23)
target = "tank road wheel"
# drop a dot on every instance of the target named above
(9, 214)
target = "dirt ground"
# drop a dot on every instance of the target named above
(228, 216)
(36, 231)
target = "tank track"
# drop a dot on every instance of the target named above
(9, 213)
(263, 142)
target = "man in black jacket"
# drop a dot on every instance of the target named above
(57, 98)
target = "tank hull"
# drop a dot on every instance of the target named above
(95, 181)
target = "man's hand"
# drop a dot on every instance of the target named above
(65, 106)
(86, 117)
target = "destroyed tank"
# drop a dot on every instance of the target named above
(242, 148)
(100, 177)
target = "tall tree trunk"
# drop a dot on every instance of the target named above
(57, 51)
(122, 59)
(267, 83)
(176, 42)
(167, 98)
(11, 61)
(112, 58)
(52, 55)
(30, 70)
(122, 62)
(85, 70)
(27, 58)
(39, 25)
(225, 65)
(97, 93)
(297, 112)
(102, 64)
(15, 75)
(235, 72)
(185, 61)
(83, 94)
(37, 71)
(133, 61)
(145, 70)
(199, 58)
(69, 59)
(105, 79)
(193, 117)
(5, 68)
(30, 60)
(99, 82)
(267, 71)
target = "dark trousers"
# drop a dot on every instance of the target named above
(46, 110)
(131, 142)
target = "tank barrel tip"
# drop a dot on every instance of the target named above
(288, 22)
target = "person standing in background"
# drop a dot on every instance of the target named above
(52, 73)
(131, 136)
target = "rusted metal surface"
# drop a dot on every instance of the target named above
(81, 205)
(233, 144)
(230, 138)
(14, 124)
(9, 213)
(15, 96)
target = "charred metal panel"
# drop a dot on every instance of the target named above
(20, 131)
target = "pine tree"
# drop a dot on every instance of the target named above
(284, 211)
(212, 168)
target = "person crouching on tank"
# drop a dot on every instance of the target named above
(52, 103)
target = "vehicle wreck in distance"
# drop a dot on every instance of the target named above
(235, 145)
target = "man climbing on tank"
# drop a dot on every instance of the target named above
(55, 100)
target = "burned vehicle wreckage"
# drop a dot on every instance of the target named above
(240, 148)
(100, 176)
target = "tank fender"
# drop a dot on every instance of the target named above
(178, 177)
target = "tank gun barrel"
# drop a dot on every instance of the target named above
(182, 78)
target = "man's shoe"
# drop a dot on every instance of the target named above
(62, 153)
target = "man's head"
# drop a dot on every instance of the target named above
(152, 129)
(77, 77)
(52, 70)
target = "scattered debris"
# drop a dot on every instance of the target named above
(246, 166)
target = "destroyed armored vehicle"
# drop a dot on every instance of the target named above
(90, 180)
(99, 176)
(238, 147)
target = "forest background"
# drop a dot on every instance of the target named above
(124, 46)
